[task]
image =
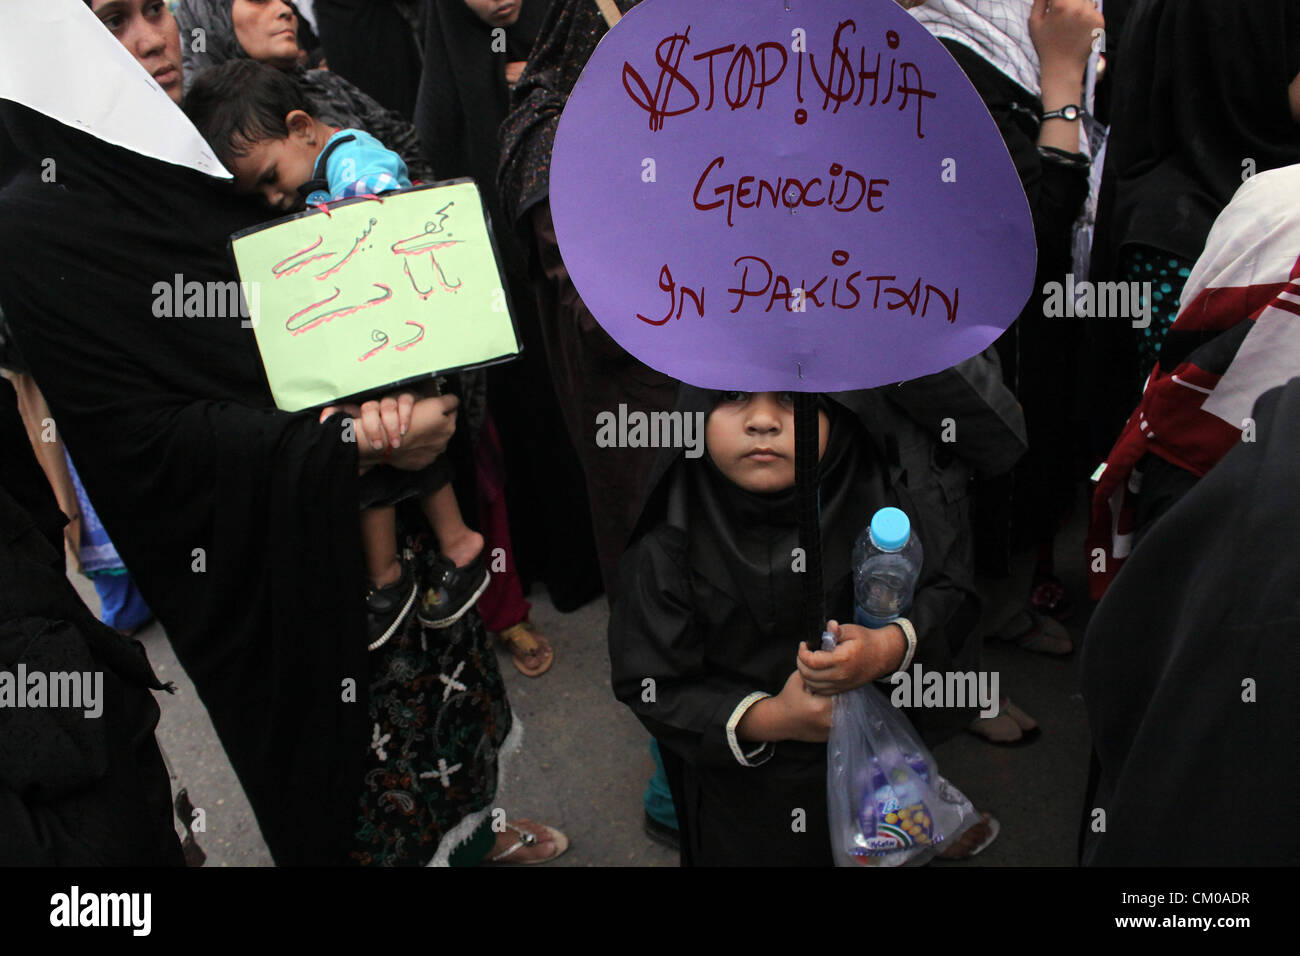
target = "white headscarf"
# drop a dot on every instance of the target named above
(58, 59)
(998, 30)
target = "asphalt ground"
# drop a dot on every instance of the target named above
(584, 761)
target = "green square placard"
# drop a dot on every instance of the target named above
(375, 292)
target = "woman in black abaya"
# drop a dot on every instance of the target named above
(464, 96)
(238, 520)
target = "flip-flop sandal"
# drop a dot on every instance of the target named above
(525, 641)
(1036, 638)
(527, 838)
(1026, 736)
(1009, 707)
(994, 829)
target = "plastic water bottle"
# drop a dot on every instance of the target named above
(886, 564)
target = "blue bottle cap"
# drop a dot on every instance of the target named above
(890, 529)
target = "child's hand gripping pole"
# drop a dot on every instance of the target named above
(851, 657)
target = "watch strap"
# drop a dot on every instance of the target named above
(1064, 113)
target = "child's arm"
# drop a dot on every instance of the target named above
(661, 668)
(794, 714)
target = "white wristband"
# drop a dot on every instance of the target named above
(909, 633)
(761, 754)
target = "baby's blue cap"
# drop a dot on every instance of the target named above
(890, 529)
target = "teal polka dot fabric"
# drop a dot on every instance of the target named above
(1166, 274)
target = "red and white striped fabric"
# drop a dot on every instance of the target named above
(1196, 407)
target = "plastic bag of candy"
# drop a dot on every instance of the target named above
(888, 804)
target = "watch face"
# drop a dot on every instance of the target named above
(1068, 113)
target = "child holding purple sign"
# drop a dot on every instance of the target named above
(709, 612)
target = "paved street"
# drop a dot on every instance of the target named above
(584, 760)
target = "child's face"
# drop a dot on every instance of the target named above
(275, 168)
(496, 13)
(750, 437)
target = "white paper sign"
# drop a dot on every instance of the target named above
(57, 58)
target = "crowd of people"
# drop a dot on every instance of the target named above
(332, 581)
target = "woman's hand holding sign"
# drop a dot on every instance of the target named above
(407, 430)
(433, 422)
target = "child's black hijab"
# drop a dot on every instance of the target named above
(745, 543)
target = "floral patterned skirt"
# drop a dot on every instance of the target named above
(440, 721)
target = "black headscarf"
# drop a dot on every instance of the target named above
(350, 33)
(743, 541)
(1201, 89)
(463, 93)
(219, 43)
(238, 521)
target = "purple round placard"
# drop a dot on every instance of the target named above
(903, 245)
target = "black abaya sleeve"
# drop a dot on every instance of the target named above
(654, 637)
(1190, 669)
(238, 521)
